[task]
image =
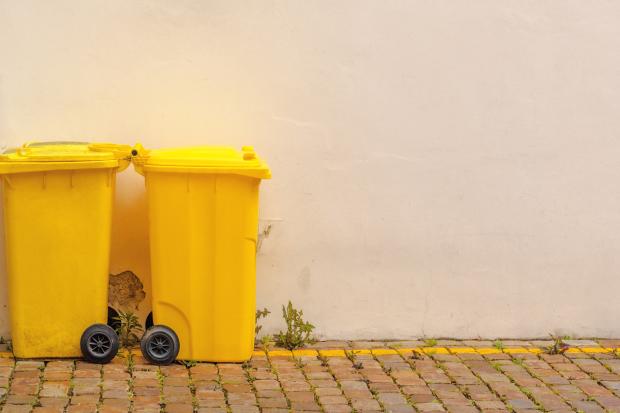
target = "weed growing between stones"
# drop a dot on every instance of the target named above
(129, 329)
(298, 332)
(558, 346)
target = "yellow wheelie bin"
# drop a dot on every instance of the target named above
(203, 223)
(57, 213)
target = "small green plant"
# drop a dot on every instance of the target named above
(128, 329)
(352, 356)
(298, 332)
(161, 378)
(518, 361)
(130, 362)
(558, 346)
(430, 342)
(265, 342)
(299, 362)
(260, 314)
(498, 344)
(323, 360)
(188, 363)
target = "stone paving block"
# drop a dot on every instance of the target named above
(179, 408)
(490, 404)
(54, 389)
(586, 407)
(269, 393)
(421, 398)
(146, 391)
(272, 402)
(521, 403)
(266, 384)
(115, 393)
(116, 402)
(365, 404)
(581, 343)
(430, 407)
(462, 409)
(146, 409)
(323, 383)
(20, 399)
(15, 408)
(244, 409)
(82, 408)
(391, 398)
(399, 408)
(176, 381)
(112, 409)
(305, 406)
(24, 365)
(48, 409)
(54, 401)
(328, 391)
(56, 375)
(248, 399)
(330, 408)
(301, 396)
(367, 344)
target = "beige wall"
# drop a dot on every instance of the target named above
(441, 168)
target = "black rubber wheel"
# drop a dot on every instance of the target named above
(99, 343)
(160, 345)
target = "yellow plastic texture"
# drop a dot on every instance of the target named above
(202, 159)
(203, 227)
(53, 156)
(57, 228)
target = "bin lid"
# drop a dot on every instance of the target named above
(64, 155)
(201, 159)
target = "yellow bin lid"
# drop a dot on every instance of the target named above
(51, 156)
(201, 159)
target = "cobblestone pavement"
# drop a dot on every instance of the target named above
(332, 377)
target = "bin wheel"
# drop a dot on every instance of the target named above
(99, 343)
(160, 345)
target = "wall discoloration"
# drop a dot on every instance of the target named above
(126, 291)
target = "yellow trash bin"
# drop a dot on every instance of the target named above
(57, 212)
(203, 222)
